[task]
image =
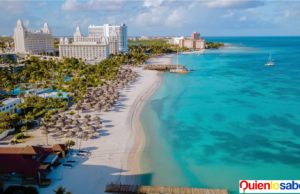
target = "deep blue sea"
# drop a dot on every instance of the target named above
(231, 118)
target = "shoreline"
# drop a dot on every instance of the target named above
(114, 156)
(108, 161)
(137, 147)
(134, 119)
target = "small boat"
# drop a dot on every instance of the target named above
(270, 61)
(179, 69)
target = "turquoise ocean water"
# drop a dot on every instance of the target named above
(231, 118)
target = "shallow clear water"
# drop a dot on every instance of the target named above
(231, 118)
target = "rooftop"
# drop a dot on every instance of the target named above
(28, 150)
(94, 26)
(10, 100)
(20, 160)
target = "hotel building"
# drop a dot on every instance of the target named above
(33, 42)
(10, 105)
(107, 30)
(30, 164)
(195, 42)
(98, 45)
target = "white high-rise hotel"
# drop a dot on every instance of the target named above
(100, 42)
(33, 42)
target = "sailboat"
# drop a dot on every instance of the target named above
(270, 61)
(179, 69)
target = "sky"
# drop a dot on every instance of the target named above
(157, 17)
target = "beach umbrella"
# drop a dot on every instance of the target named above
(85, 133)
(75, 129)
(95, 118)
(79, 134)
(98, 124)
(75, 122)
(68, 121)
(51, 130)
(85, 125)
(87, 116)
(87, 120)
(78, 107)
(43, 129)
(58, 128)
(68, 127)
(65, 130)
(77, 116)
(91, 128)
(59, 125)
(69, 134)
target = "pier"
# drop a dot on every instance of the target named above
(140, 189)
(164, 67)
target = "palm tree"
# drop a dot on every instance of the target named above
(61, 190)
(2, 46)
(70, 143)
(28, 118)
(45, 130)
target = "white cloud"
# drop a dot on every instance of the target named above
(153, 16)
(74, 5)
(291, 13)
(152, 3)
(234, 3)
(228, 14)
(175, 18)
(243, 18)
(26, 23)
(158, 3)
(162, 15)
(69, 5)
(287, 13)
(13, 7)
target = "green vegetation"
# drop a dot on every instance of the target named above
(52, 74)
(214, 45)
(8, 59)
(70, 143)
(61, 190)
(154, 47)
(19, 137)
(21, 189)
(4, 41)
(8, 80)
(56, 43)
(34, 106)
(45, 182)
(2, 46)
(8, 121)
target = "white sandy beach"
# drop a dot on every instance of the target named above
(115, 155)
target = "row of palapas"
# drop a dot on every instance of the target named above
(82, 124)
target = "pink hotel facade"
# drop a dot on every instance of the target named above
(195, 42)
